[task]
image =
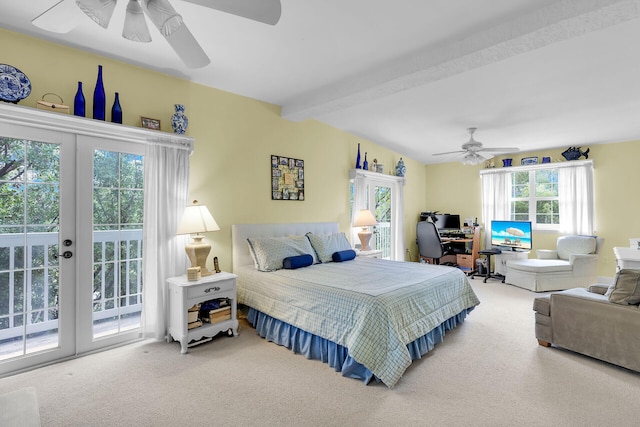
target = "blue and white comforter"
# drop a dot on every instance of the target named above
(372, 307)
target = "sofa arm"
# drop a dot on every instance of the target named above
(585, 265)
(547, 254)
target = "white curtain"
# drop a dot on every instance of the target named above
(166, 180)
(496, 193)
(575, 194)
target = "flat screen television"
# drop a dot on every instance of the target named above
(512, 234)
(447, 222)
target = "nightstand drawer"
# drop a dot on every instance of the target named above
(211, 290)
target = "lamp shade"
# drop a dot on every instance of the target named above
(163, 16)
(196, 219)
(364, 219)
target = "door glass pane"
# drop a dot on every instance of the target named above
(383, 216)
(118, 202)
(29, 228)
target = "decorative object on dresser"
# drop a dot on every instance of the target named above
(287, 178)
(364, 219)
(179, 122)
(197, 219)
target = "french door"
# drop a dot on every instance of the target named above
(70, 245)
(382, 195)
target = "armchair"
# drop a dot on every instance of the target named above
(573, 264)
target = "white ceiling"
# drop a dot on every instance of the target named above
(411, 75)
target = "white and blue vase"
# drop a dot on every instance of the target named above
(179, 121)
(401, 169)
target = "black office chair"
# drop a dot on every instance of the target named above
(429, 243)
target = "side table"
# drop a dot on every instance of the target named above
(184, 294)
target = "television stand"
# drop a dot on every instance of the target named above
(506, 256)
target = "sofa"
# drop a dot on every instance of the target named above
(601, 322)
(572, 264)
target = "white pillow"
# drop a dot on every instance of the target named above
(269, 252)
(326, 245)
(575, 245)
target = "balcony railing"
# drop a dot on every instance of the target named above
(29, 272)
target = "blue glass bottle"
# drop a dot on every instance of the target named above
(116, 110)
(99, 98)
(358, 165)
(78, 102)
(365, 164)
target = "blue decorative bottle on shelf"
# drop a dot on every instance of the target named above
(365, 164)
(179, 121)
(116, 110)
(99, 98)
(78, 102)
(358, 165)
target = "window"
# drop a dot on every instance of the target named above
(557, 196)
(534, 197)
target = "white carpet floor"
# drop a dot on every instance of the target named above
(489, 371)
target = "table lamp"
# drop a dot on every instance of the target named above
(364, 219)
(197, 219)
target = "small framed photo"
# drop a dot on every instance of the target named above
(150, 123)
(529, 161)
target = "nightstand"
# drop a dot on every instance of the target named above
(370, 254)
(184, 294)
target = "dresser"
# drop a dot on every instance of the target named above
(627, 257)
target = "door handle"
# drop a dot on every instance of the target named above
(65, 254)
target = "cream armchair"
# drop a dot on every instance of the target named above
(572, 264)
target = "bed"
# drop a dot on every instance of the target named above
(367, 318)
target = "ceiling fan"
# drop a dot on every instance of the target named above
(62, 18)
(472, 149)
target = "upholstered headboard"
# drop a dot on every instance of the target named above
(240, 233)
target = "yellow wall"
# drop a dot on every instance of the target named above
(235, 138)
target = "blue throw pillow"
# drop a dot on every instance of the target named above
(297, 261)
(344, 255)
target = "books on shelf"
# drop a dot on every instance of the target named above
(218, 315)
(195, 324)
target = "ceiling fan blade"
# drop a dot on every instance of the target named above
(266, 11)
(497, 150)
(62, 17)
(450, 152)
(188, 48)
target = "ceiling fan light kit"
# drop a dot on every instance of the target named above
(163, 16)
(100, 11)
(135, 26)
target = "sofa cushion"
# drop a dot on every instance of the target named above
(575, 245)
(539, 265)
(626, 287)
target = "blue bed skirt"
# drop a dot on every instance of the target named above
(335, 355)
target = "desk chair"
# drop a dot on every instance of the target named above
(429, 243)
(489, 275)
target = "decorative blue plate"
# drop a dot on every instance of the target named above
(14, 85)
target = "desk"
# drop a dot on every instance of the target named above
(466, 259)
(627, 258)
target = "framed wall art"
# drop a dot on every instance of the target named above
(287, 178)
